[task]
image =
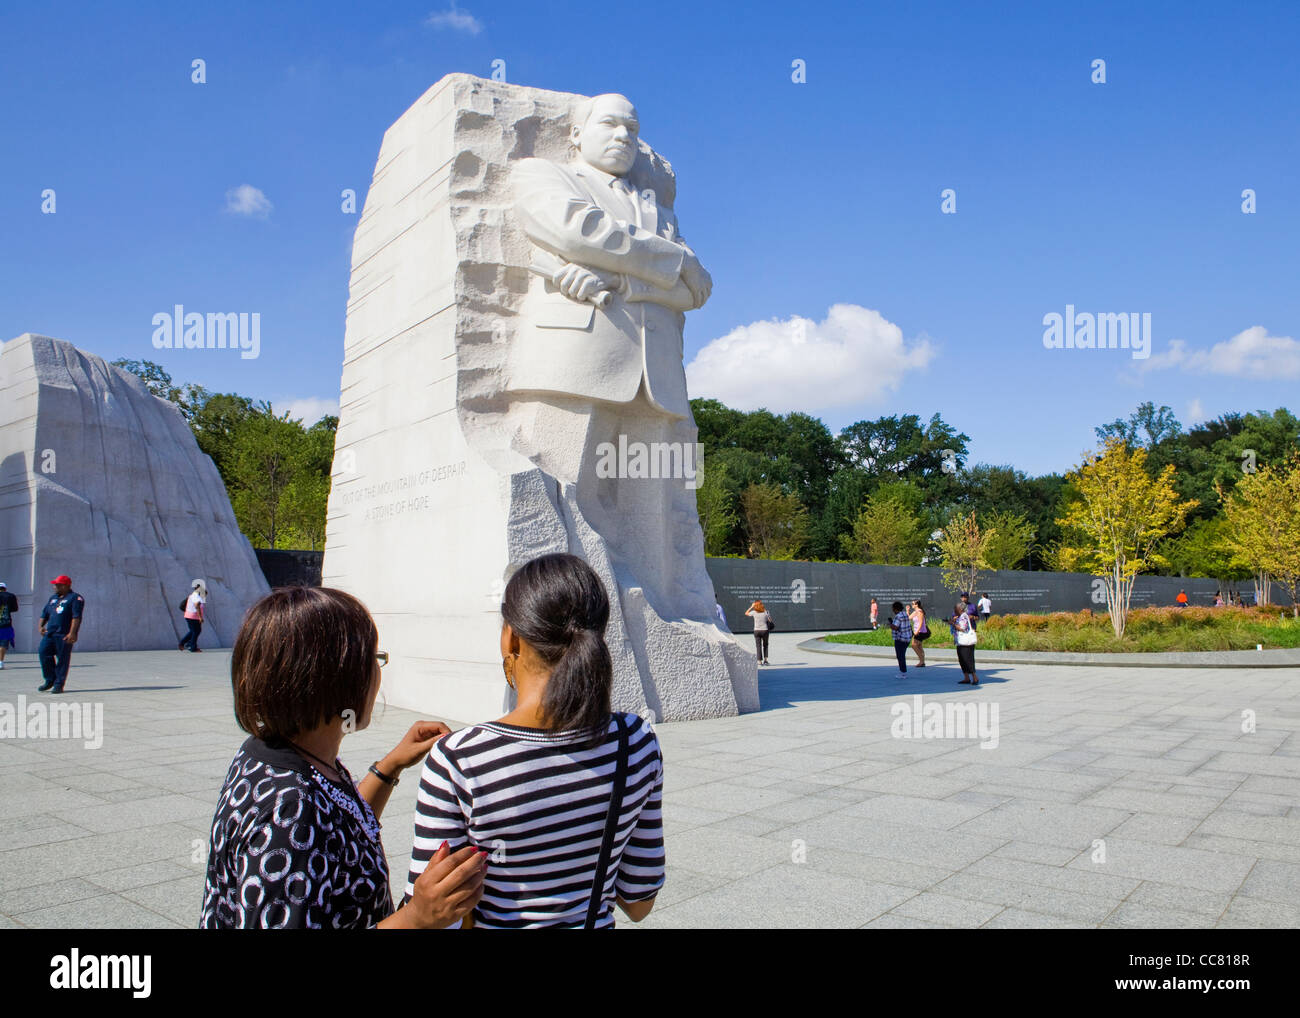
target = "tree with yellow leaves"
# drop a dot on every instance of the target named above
(1114, 527)
(1263, 514)
(963, 551)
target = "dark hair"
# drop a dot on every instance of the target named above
(897, 606)
(559, 605)
(303, 656)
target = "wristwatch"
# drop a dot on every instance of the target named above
(390, 782)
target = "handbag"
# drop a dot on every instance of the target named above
(771, 626)
(611, 827)
(967, 637)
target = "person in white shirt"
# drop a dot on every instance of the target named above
(762, 625)
(195, 606)
(985, 607)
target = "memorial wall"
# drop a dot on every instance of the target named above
(808, 596)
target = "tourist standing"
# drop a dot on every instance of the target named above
(985, 607)
(295, 841)
(965, 638)
(762, 626)
(194, 608)
(920, 632)
(60, 624)
(8, 609)
(1218, 599)
(722, 616)
(566, 794)
(875, 614)
(968, 607)
(1181, 599)
(901, 626)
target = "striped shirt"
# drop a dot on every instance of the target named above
(536, 801)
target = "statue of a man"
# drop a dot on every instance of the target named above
(599, 350)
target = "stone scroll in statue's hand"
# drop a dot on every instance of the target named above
(583, 284)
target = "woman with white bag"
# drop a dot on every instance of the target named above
(964, 635)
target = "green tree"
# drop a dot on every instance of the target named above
(796, 452)
(963, 552)
(268, 494)
(715, 502)
(216, 421)
(155, 376)
(776, 521)
(1205, 549)
(306, 497)
(1115, 526)
(159, 382)
(890, 529)
(1263, 515)
(1146, 428)
(902, 447)
(1010, 538)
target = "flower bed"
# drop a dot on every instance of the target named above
(1149, 630)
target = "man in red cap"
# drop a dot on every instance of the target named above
(60, 623)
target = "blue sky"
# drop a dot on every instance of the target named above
(1115, 197)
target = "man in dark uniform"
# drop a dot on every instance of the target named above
(60, 622)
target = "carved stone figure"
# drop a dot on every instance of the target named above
(513, 385)
(603, 340)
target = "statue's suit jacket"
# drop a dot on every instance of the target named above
(575, 348)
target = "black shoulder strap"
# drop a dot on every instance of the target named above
(611, 826)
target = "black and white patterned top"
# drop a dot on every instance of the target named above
(284, 855)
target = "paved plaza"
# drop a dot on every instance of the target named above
(1114, 797)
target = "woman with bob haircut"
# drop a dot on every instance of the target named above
(295, 841)
(565, 794)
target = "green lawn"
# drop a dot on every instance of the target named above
(1149, 630)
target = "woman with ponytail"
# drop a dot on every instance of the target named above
(563, 794)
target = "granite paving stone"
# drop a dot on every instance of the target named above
(1276, 881)
(807, 813)
(1185, 867)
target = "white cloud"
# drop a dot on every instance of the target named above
(1251, 353)
(853, 356)
(456, 19)
(247, 200)
(1195, 411)
(308, 409)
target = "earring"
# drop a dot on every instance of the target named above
(509, 672)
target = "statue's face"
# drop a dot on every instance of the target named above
(608, 139)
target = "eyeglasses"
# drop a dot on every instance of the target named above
(382, 657)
